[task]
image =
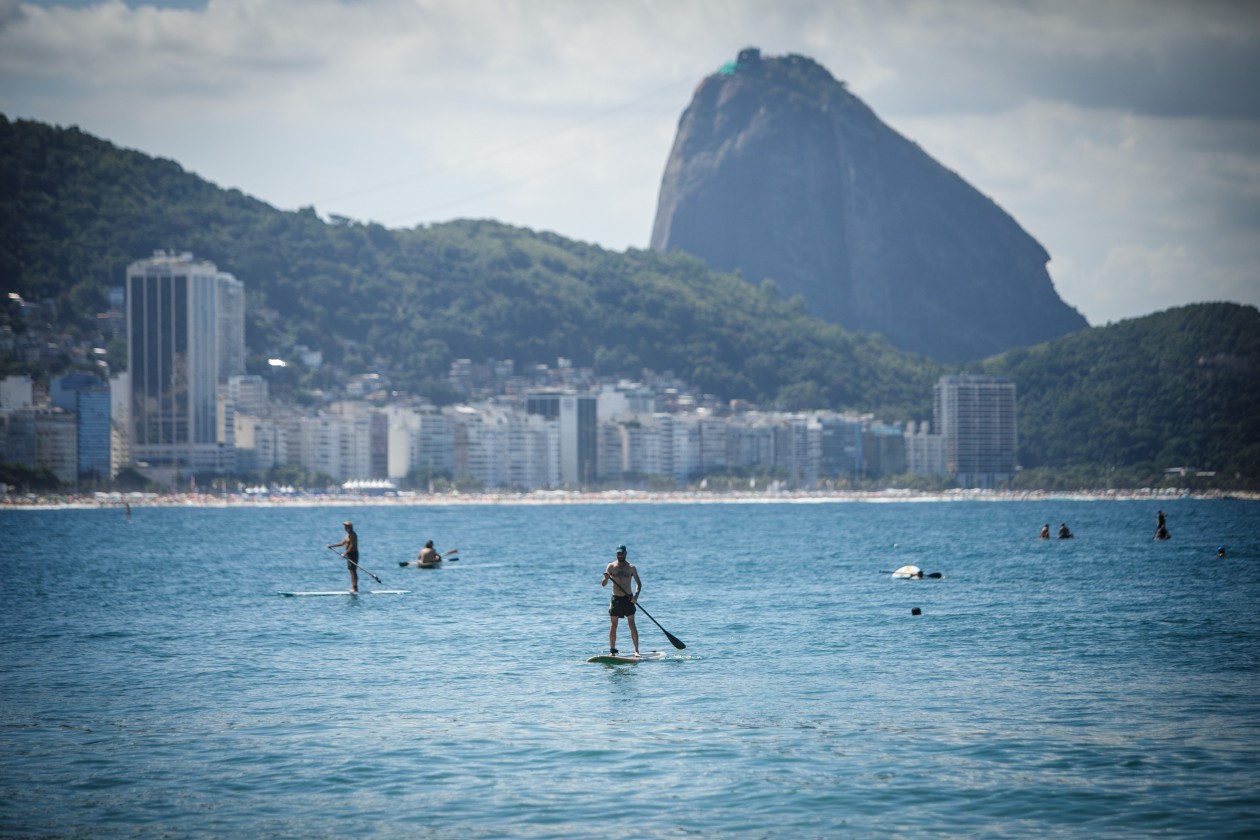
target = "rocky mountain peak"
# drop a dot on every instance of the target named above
(778, 171)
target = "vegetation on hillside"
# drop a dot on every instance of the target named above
(78, 210)
(1180, 388)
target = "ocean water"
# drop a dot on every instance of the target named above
(153, 682)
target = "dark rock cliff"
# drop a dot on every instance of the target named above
(779, 172)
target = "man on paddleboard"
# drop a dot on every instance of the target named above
(351, 542)
(622, 604)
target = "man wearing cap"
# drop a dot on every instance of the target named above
(623, 600)
(351, 542)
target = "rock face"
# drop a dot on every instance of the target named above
(779, 172)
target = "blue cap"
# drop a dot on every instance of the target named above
(621, 549)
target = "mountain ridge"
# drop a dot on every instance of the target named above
(778, 171)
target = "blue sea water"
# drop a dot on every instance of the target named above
(153, 682)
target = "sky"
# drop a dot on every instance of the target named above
(1124, 136)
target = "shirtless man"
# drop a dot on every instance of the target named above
(623, 600)
(428, 554)
(351, 542)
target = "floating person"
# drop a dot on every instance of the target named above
(1045, 531)
(1220, 552)
(622, 605)
(351, 543)
(1064, 533)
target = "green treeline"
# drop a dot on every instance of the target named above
(1179, 388)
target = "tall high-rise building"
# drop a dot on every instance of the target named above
(976, 417)
(185, 336)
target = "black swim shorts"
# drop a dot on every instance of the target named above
(621, 605)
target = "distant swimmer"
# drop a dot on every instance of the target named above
(1045, 531)
(1220, 552)
(1064, 533)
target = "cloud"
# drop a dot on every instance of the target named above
(1109, 131)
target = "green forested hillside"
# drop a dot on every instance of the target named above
(1180, 388)
(76, 210)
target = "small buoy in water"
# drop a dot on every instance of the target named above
(916, 611)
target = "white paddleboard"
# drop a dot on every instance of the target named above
(619, 659)
(345, 592)
(908, 572)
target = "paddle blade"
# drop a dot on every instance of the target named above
(673, 640)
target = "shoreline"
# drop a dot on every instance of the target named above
(608, 497)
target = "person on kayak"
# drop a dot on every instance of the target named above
(621, 573)
(428, 555)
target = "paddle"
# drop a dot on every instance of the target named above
(355, 562)
(444, 555)
(673, 640)
(932, 575)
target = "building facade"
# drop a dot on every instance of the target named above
(87, 398)
(185, 337)
(975, 415)
(577, 416)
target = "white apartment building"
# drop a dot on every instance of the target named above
(925, 452)
(339, 446)
(976, 417)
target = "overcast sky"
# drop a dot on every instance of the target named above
(1124, 136)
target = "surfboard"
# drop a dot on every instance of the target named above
(908, 572)
(344, 592)
(609, 659)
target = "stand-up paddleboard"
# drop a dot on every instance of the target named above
(344, 592)
(618, 659)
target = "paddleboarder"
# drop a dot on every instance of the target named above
(1161, 528)
(351, 543)
(622, 605)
